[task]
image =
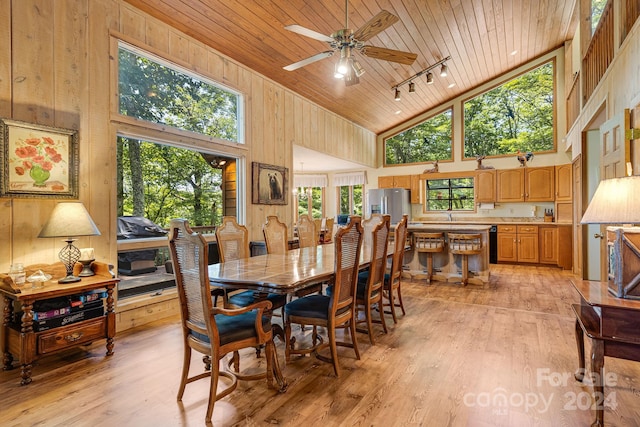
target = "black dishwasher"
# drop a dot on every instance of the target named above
(493, 244)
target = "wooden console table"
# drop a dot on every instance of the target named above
(29, 345)
(613, 324)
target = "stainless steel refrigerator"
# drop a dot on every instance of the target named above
(393, 201)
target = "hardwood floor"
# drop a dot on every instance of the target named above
(448, 362)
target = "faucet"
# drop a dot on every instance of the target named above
(450, 216)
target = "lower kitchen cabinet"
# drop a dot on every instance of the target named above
(548, 239)
(518, 243)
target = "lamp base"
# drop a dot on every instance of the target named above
(69, 279)
(86, 268)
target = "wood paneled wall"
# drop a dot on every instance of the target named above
(56, 68)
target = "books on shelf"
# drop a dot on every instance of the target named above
(61, 311)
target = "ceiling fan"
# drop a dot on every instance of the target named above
(346, 41)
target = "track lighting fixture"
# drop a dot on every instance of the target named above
(412, 86)
(429, 78)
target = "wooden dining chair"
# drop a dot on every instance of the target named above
(369, 290)
(275, 235)
(335, 311)
(215, 331)
(368, 226)
(307, 234)
(393, 280)
(233, 244)
(328, 234)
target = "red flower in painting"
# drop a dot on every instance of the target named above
(41, 151)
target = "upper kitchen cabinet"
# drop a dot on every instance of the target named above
(526, 184)
(485, 186)
(416, 189)
(400, 181)
(564, 181)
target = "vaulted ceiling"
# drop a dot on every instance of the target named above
(485, 38)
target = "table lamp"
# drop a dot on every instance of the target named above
(69, 219)
(617, 201)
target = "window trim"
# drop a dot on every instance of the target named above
(152, 54)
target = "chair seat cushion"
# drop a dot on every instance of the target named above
(314, 306)
(236, 328)
(363, 276)
(245, 298)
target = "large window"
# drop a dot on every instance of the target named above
(451, 194)
(313, 196)
(160, 93)
(350, 199)
(516, 116)
(597, 7)
(425, 142)
(161, 182)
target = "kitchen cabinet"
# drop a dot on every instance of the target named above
(518, 243)
(548, 242)
(398, 181)
(564, 180)
(417, 191)
(526, 184)
(485, 186)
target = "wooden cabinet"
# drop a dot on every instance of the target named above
(417, 186)
(485, 186)
(539, 184)
(565, 246)
(399, 181)
(510, 185)
(564, 180)
(24, 341)
(518, 243)
(526, 184)
(548, 241)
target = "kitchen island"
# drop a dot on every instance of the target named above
(447, 266)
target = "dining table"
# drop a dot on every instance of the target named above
(283, 274)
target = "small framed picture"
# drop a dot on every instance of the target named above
(270, 184)
(38, 161)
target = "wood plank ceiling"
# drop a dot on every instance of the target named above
(485, 38)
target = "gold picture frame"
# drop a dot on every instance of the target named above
(270, 184)
(38, 161)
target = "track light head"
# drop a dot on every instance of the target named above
(429, 78)
(397, 96)
(443, 70)
(412, 87)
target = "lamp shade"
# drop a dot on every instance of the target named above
(69, 219)
(616, 201)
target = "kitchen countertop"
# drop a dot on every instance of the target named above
(489, 221)
(447, 226)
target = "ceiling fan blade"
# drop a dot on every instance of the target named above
(378, 23)
(309, 33)
(385, 54)
(309, 60)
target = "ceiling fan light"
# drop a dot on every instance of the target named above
(357, 68)
(429, 78)
(412, 87)
(397, 95)
(343, 66)
(443, 70)
(336, 73)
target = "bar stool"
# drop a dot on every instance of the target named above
(429, 243)
(465, 245)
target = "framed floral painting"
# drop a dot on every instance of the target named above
(38, 161)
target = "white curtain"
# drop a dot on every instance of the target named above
(310, 180)
(350, 178)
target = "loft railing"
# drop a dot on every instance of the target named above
(573, 101)
(630, 13)
(599, 53)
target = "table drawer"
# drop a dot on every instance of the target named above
(69, 336)
(506, 228)
(527, 229)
